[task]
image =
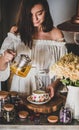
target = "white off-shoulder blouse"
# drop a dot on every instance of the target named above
(43, 54)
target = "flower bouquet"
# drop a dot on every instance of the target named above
(67, 69)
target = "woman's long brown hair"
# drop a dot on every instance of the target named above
(24, 20)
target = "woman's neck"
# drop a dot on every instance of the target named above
(38, 29)
(39, 34)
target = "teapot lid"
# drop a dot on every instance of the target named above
(26, 57)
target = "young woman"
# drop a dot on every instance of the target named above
(36, 36)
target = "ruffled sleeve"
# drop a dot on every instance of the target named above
(9, 41)
(5, 74)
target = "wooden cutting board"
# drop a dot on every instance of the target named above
(53, 105)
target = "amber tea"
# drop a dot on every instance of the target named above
(20, 71)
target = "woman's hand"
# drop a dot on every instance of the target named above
(51, 90)
(5, 58)
(13, 29)
(8, 55)
(53, 87)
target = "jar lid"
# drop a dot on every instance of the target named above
(8, 107)
(13, 93)
(3, 94)
(23, 114)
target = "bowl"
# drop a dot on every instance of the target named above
(52, 119)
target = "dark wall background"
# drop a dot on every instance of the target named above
(8, 9)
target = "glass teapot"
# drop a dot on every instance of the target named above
(21, 66)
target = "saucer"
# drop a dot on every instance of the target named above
(29, 98)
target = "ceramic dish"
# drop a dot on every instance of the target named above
(29, 98)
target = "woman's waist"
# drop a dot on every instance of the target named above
(41, 70)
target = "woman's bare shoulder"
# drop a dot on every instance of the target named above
(56, 34)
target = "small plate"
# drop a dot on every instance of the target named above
(38, 103)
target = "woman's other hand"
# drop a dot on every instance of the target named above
(53, 87)
(13, 29)
(51, 91)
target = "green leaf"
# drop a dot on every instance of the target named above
(77, 83)
(65, 81)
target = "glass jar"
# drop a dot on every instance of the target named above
(65, 115)
(8, 112)
(4, 98)
(13, 97)
(21, 66)
(37, 119)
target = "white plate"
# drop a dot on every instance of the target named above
(31, 101)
